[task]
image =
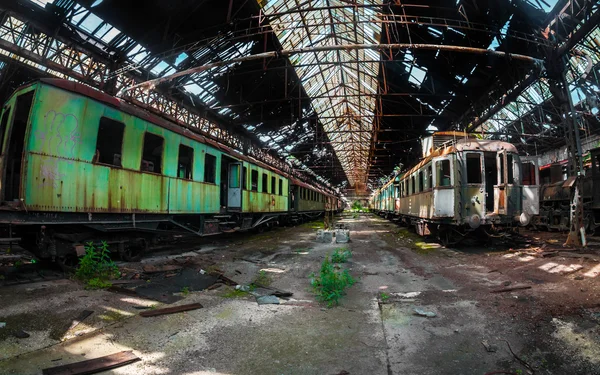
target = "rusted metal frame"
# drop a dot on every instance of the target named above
(480, 51)
(576, 37)
(284, 99)
(63, 53)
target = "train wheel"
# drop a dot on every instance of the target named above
(68, 263)
(134, 251)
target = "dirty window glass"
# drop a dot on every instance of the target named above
(412, 184)
(109, 142)
(265, 183)
(210, 168)
(3, 128)
(280, 186)
(430, 177)
(442, 168)
(254, 182)
(421, 181)
(473, 168)
(185, 162)
(244, 176)
(528, 173)
(510, 169)
(273, 185)
(152, 153)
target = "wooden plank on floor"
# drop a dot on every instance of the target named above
(95, 365)
(171, 310)
(519, 287)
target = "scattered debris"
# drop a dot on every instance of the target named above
(266, 300)
(519, 359)
(324, 236)
(80, 318)
(489, 348)
(93, 366)
(428, 314)
(171, 310)
(243, 288)
(165, 268)
(342, 236)
(2, 324)
(214, 286)
(118, 289)
(20, 334)
(506, 283)
(579, 277)
(516, 287)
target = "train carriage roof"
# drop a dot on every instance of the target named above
(130, 109)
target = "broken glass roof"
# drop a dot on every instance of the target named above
(343, 82)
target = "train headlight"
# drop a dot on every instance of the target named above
(524, 219)
(474, 221)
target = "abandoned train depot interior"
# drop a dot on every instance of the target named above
(300, 187)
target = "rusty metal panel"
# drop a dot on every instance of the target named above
(186, 196)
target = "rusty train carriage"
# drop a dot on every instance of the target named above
(465, 185)
(73, 155)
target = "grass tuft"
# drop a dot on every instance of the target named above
(96, 267)
(341, 255)
(331, 283)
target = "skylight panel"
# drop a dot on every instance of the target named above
(417, 76)
(90, 23)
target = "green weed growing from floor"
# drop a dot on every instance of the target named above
(235, 293)
(331, 283)
(97, 283)
(262, 279)
(341, 255)
(185, 290)
(384, 296)
(95, 267)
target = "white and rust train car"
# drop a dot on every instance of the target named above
(462, 184)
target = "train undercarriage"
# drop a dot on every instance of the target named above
(63, 237)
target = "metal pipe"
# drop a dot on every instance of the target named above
(343, 47)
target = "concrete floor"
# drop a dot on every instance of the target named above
(553, 327)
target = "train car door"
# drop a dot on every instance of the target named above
(500, 188)
(443, 191)
(530, 175)
(234, 187)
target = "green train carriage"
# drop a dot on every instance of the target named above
(73, 155)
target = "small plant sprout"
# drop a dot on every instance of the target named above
(185, 290)
(330, 284)
(341, 255)
(262, 279)
(384, 296)
(96, 267)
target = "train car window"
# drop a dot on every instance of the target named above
(185, 161)
(430, 177)
(273, 185)
(413, 184)
(210, 168)
(152, 153)
(442, 168)
(502, 160)
(3, 128)
(109, 142)
(244, 177)
(254, 182)
(265, 183)
(280, 186)
(473, 168)
(421, 181)
(510, 168)
(528, 173)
